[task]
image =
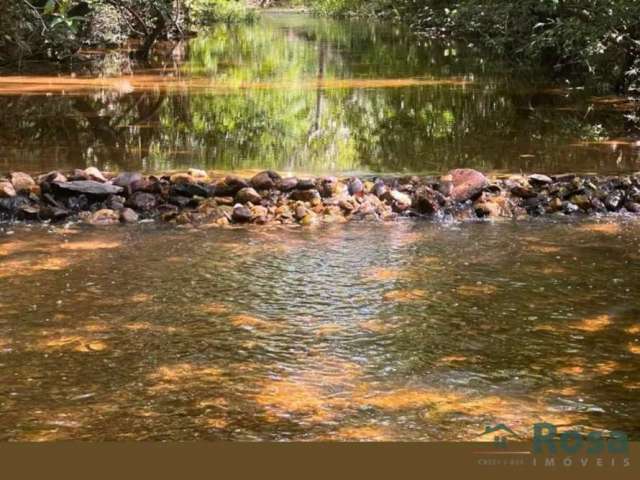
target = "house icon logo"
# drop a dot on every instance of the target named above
(501, 433)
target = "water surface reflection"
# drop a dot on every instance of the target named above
(313, 95)
(406, 331)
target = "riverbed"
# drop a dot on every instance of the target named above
(402, 330)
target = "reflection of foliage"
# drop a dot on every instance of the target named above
(275, 117)
(596, 38)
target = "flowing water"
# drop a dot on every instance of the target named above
(398, 331)
(404, 331)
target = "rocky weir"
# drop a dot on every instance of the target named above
(195, 197)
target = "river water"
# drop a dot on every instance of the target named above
(398, 331)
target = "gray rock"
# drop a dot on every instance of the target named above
(379, 189)
(569, 208)
(88, 187)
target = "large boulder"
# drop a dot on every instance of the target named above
(467, 184)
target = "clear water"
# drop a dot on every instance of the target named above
(403, 331)
(398, 331)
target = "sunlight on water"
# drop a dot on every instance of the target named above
(156, 333)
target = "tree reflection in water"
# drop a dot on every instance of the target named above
(315, 95)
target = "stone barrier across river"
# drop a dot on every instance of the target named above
(195, 197)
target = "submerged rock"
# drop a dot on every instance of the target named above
(104, 217)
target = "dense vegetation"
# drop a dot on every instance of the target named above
(579, 39)
(57, 29)
(586, 39)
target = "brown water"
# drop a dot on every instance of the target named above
(404, 331)
(302, 94)
(397, 331)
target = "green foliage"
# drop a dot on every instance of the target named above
(57, 29)
(596, 39)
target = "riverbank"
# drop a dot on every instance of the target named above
(198, 197)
